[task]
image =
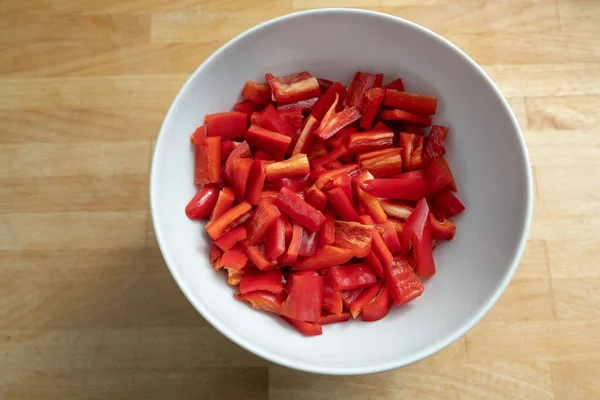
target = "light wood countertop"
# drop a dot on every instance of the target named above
(88, 310)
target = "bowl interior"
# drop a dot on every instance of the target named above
(485, 151)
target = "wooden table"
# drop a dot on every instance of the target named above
(88, 308)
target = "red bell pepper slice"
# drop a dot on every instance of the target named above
(364, 142)
(396, 209)
(327, 99)
(446, 205)
(234, 258)
(228, 125)
(332, 300)
(207, 167)
(229, 239)
(241, 172)
(350, 277)
(264, 217)
(300, 86)
(396, 84)
(341, 204)
(256, 255)
(379, 307)
(439, 177)
(293, 118)
(297, 184)
(331, 156)
(373, 262)
(333, 318)
(297, 165)
(270, 142)
(234, 276)
(290, 282)
(275, 244)
(270, 281)
(241, 151)
(294, 247)
(416, 174)
(364, 298)
(306, 328)
(263, 300)
(390, 237)
(224, 203)
(333, 121)
(199, 136)
(316, 198)
(371, 204)
(335, 164)
(350, 297)
(377, 153)
(272, 120)
(227, 147)
(378, 245)
(229, 220)
(305, 298)
(341, 138)
(341, 181)
(299, 210)
(203, 202)
(442, 230)
(412, 150)
(327, 231)
(404, 189)
(214, 253)
(417, 232)
(354, 236)
(324, 84)
(247, 107)
(378, 80)
(383, 166)
(410, 102)
(308, 244)
(300, 105)
(407, 116)
(402, 282)
(256, 182)
(374, 99)
(434, 148)
(357, 88)
(326, 256)
(259, 93)
(306, 136)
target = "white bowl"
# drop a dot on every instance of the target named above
(486, 152)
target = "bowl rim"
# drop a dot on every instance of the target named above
(422, 353)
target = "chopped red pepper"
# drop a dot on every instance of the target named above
(333, 318)
(229, 220)
(341, 138)
(370, 203)
(241, 151)
(300, 105)
(327, 231)
(259, 93)
(224, 203)
(318, 148)
(305, 299)
(378, 245)
(402, 282)
(294, 247)
(439, 177)
(261, 221)
(256, 182)
(364, 298)
(434, 148)
(327, 99)
(199, 136)
(370, 141)
(410, 102)
(256, 255)
(208, 162)
(292, 88)
(214, 254)
(446, 205)
(417, 174)
(442, 230)
(234, 258)
(229, 239)
(270, 281)
(305, 138)
(247, 107)
(378, 80)
(296, 184)
(353, 236)
(263, 300)
(306, 328)
(357, 88)
(379, 307)
(272, 120)
(241, 172)
(377, 153)
(316, 198)
(324, 84)
(396, 209)
(417, 232)
(326, 256)
(332, 300)
(331, 156)
(384, 166)
(203, 202)
(299, 210)
(341, 204)
(401, 115)
(294, 118)
(373, 262)
(350, 297)
(405, 189)
(412, 150)
(297, 165)
(396, 84)
(270, 142)
(228, 125)
(390, 237)
(374, 99)
(275, 244)
(308, 244)
(334, 121)
(227, 147)
(350, 277)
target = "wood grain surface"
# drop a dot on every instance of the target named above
(88, 309)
